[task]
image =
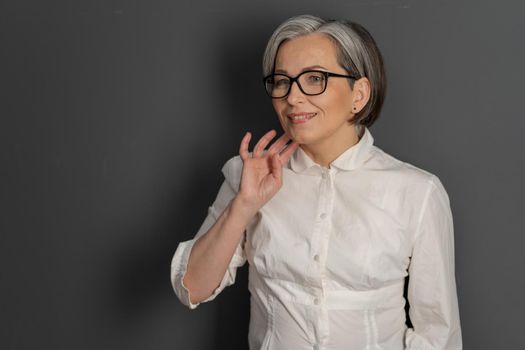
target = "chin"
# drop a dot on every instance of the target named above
(301, 138)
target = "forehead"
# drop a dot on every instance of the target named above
(306, 51)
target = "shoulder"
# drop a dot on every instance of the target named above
(232, 171)
(407, 175)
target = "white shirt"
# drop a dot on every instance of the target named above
(329, 253)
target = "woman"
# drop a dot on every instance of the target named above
(330, 224)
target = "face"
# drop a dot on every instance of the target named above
(321, 120)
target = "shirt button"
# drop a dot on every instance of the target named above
(322, 216)
(316, 257)
(316, 301)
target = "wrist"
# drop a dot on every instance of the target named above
(242, 208)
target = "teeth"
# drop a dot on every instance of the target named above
(302, 117)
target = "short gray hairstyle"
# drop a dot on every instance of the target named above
(357, 54)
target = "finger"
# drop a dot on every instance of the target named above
(243, 149)
(287, 152)
(263, 142)
(277, 167)
(278, 145)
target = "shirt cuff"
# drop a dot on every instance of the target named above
(179, 266)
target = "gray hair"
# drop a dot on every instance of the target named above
(357, 53)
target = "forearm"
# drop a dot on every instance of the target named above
(212, 252)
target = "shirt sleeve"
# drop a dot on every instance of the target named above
(231, 170)
(432, 296)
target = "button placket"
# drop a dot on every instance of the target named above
(324, 200)
(325, 224)
(319, 242)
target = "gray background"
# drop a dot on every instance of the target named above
(116, 117)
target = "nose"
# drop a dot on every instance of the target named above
(295, 95)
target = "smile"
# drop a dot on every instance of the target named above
(297, 118)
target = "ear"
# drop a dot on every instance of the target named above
(362, 90)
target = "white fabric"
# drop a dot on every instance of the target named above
(329, 254)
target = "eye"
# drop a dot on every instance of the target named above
(315, 78)
(280, 82)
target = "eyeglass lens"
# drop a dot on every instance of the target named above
(310, 83)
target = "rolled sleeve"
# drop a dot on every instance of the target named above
(432, 294)
(179, 263)
(178, 271)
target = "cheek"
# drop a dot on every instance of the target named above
(277, 107)
(337, 104)
(327, 104)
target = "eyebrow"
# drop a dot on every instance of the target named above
(303, 70)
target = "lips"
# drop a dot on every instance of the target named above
(298, 118)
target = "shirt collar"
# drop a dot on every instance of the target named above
(350, 159)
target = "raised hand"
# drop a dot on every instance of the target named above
(262, 171)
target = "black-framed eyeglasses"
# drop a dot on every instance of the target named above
(311, 82)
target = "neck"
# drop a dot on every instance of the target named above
(326, 151)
